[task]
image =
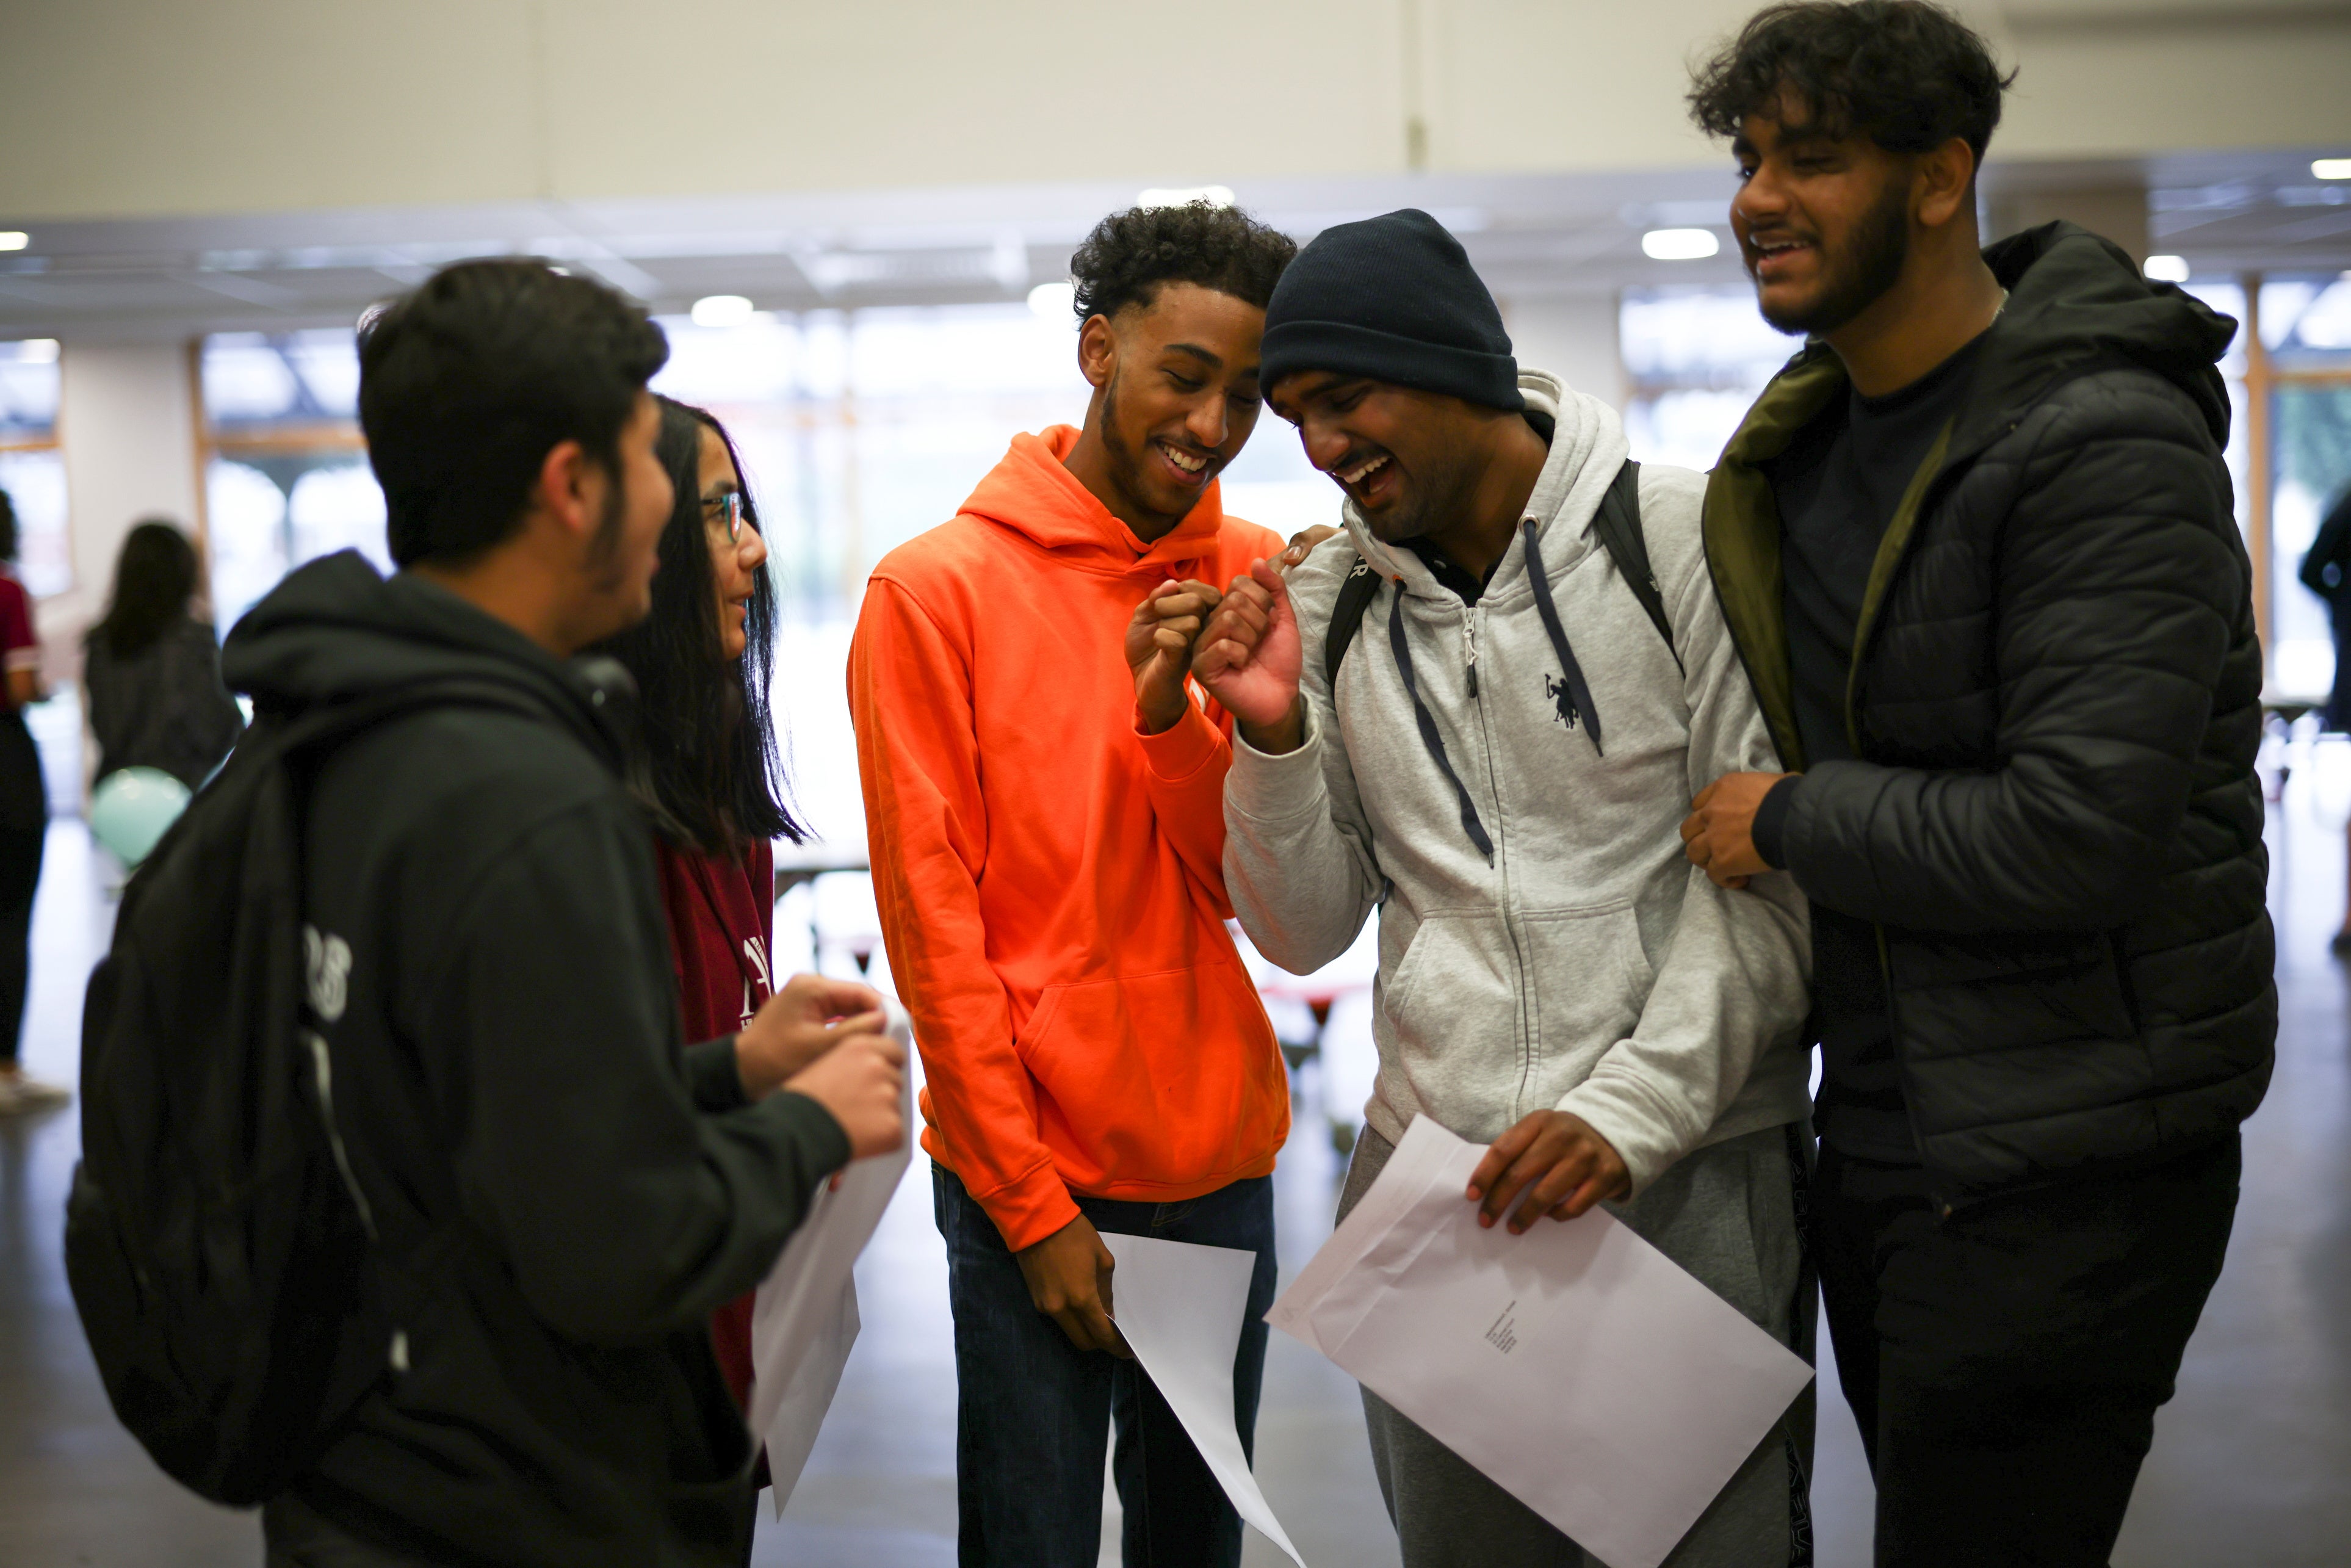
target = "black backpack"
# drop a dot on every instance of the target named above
(1618, 524)
(213, 1234)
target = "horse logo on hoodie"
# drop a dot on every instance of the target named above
(1563, 697)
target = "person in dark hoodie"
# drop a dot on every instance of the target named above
(1976, 545)
(561, 1190)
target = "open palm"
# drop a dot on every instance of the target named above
(1249, 656)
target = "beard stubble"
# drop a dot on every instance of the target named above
(1859, 273)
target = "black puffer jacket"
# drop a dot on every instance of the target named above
(2051, 815)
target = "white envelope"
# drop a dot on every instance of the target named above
(1180, 1307)
(804, 1320)
(1576, 1367)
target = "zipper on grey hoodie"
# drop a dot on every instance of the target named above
(1527, 1042)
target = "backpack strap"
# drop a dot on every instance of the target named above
(1356, 590)
(1619, 526)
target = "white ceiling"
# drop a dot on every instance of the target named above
(1530, 235)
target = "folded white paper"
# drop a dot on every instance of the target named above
(1576, 1367)
(799, 1414)
(804, 1320)
(1180, 1309)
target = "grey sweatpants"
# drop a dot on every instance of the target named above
(1728, 1215)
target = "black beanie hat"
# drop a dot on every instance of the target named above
(1395, 298)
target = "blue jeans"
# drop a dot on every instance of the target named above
(1033, 1412)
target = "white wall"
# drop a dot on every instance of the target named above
(144, 108)
(128, 431)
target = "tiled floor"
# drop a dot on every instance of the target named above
(2252, 1464)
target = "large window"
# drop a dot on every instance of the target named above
(32, 469)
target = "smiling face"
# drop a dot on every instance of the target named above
(1409, 460)
(1824, 222)
(737, 553)
(1176, 398)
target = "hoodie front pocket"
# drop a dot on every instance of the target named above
(1453, 1006)
(1167, 1078)
(1592, 978)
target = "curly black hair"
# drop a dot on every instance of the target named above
(1131, 253)
(1906, 74)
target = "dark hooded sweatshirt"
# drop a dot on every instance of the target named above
(563, 1195)
(2046, 808)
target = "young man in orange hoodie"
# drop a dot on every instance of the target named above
(1044, 795)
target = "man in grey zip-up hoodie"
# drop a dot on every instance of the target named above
(1501, 767)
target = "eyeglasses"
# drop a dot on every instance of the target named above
(730, 507)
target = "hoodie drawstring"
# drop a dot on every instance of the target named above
(1575, 694)
(1429, 735)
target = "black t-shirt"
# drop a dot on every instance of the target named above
(1837, 487)
(1470, 585)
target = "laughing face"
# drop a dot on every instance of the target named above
(1823, 222)
(1403, 457)
(1179, 391)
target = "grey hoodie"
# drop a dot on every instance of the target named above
(1586, 966)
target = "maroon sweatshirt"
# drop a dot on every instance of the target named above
(722, 929)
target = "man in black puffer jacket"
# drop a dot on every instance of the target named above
(1976, 545)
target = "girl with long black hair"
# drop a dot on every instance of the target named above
(710, 774)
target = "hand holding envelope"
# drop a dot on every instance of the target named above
(1578, 1367)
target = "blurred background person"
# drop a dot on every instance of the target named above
(24, 820)
(2324, 566)
(709, 772)
(152, 669)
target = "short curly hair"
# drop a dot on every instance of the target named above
(1906, 74)
(1130, 254)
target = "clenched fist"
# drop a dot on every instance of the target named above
(1159, 648)
(1250, 659)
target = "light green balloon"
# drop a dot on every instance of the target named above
(132, 808)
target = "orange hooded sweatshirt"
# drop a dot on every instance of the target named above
(1051, 879)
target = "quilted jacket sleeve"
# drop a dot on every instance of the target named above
(2117, 576)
